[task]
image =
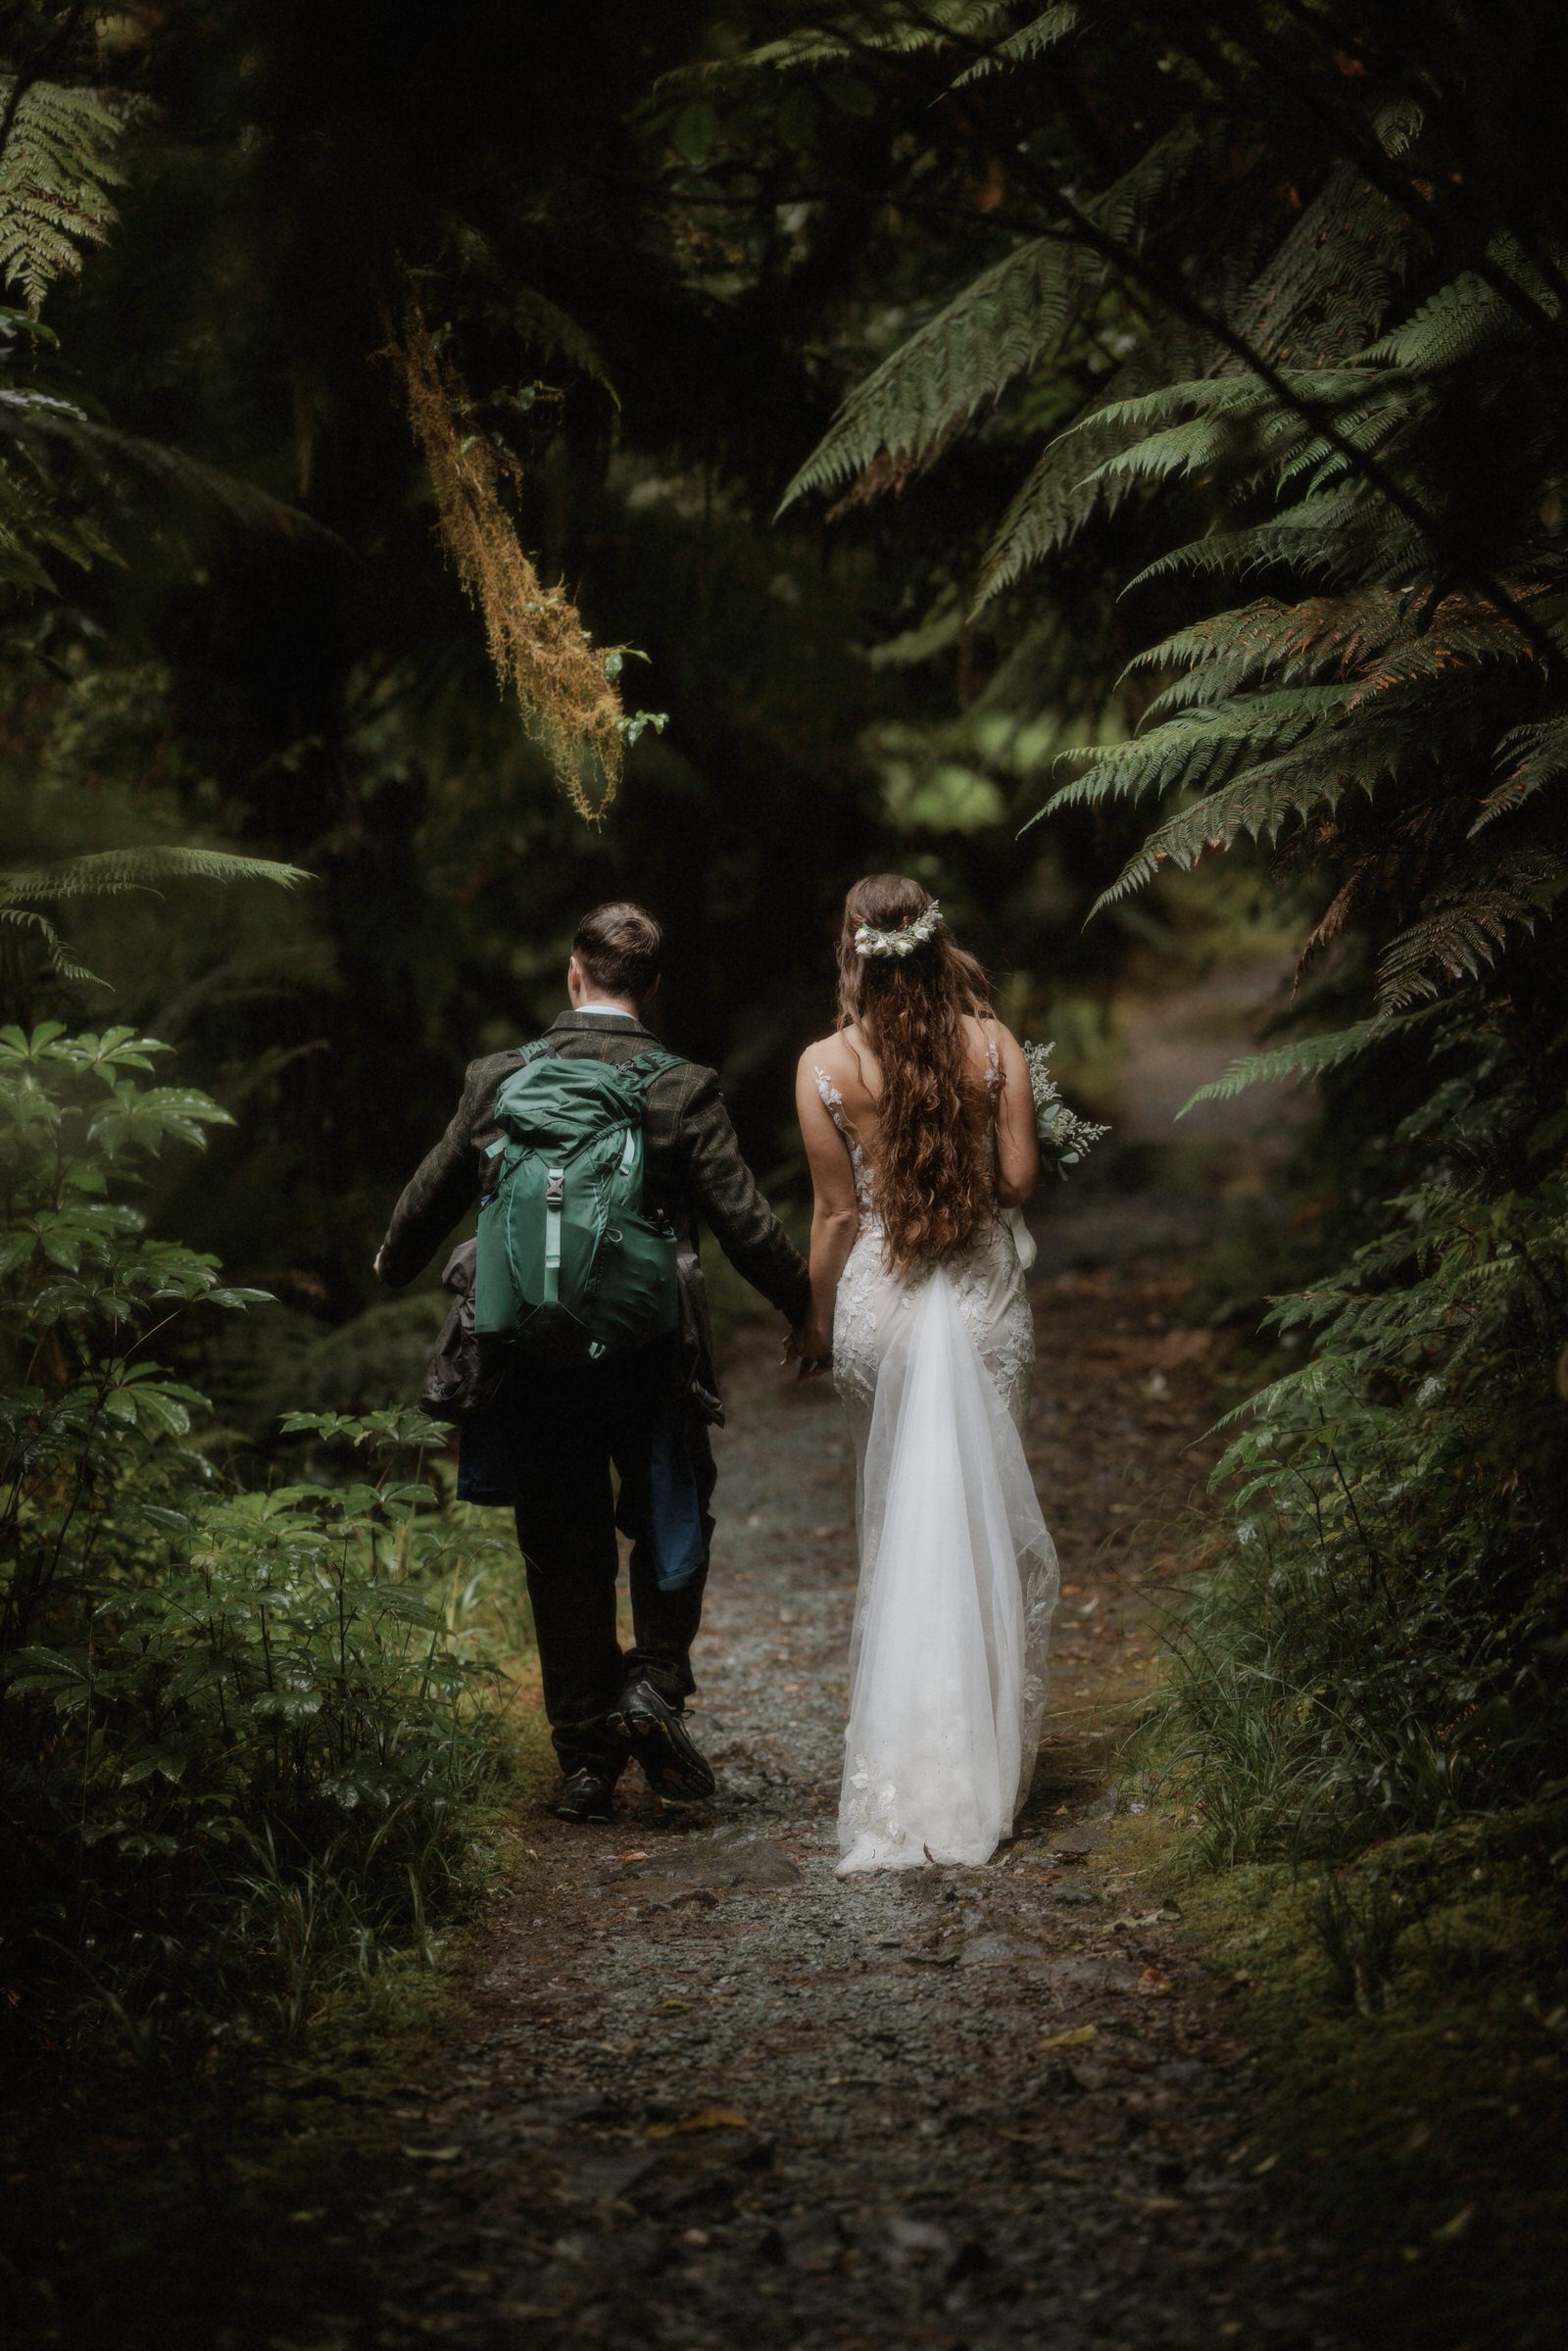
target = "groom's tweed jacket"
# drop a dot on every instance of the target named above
(694, 1173)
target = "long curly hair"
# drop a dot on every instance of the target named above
(931, 1188)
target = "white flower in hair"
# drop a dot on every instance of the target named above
(901, 942)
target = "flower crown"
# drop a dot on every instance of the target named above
(901, 942)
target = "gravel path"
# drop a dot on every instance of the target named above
(708, 2095)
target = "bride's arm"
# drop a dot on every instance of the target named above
(1018, 1143)
(835, 1218)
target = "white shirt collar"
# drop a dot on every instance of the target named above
(607, 1012)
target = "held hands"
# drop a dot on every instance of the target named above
(810, 1349)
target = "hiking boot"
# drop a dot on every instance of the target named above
(673, 1764)
(586, 1796)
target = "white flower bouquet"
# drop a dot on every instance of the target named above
(1064, 1137)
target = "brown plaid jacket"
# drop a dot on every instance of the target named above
(694, 1174)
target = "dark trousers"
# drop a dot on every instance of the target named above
(630, 1413)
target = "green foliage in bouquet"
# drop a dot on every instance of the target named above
(1064, 1136)
(238, 1728)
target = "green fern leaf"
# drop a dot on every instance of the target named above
(56, 171)
(1196, 750)
(1286, 643)
(57, 955)
(1307, 1058)
(1467, 925)
(1002, 323)
(1261, 801)
(1536, 756)
(1460, 322)
(110, 872)
(1030, 41)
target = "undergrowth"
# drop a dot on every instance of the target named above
(246, 1733)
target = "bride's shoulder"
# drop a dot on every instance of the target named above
(984, 1033)
(831, 1055)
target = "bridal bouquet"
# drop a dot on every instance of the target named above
(1064, 1137)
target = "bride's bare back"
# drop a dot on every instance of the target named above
(848, 1062)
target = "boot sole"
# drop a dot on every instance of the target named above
(680, 1779)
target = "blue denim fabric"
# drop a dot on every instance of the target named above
(638, 1407)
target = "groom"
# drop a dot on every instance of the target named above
(646, 1413)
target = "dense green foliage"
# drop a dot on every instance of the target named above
(1270, 301)
(237, 1728)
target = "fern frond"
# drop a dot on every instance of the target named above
(1330, 281)
(1285, 642)
(58, 957)
(40, 424)
(1439, 656)
(1365, 639)
(34, 522)
(842, 40)
(1030, 41)
(998, 326)
(555, 333)
(110, 872)
(1461, 321)
(1467, 925)
(1336, 537)
(56, 171)
(1260, 802)
(1196, 750)
(1002, 323)
(1537, 756)
(1306, 1057)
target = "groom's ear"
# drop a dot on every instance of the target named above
(652, 987)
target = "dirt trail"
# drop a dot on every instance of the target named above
(709, 2094)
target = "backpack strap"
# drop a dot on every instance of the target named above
(649, 1067)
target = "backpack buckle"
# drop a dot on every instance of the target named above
(554, 1187)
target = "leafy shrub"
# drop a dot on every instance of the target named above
(1379, 1645)
(238, 1728)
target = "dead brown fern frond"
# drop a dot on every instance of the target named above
(538, 645)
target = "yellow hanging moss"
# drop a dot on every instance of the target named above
(537, 641)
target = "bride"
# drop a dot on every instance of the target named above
(918, 1124)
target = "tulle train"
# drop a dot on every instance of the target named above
(958, 1582)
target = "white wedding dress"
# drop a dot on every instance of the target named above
(958, 1570)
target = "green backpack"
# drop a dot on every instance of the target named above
(568, 1265)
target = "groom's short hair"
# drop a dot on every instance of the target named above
(620, 949)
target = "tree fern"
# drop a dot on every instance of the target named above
(56, 169)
